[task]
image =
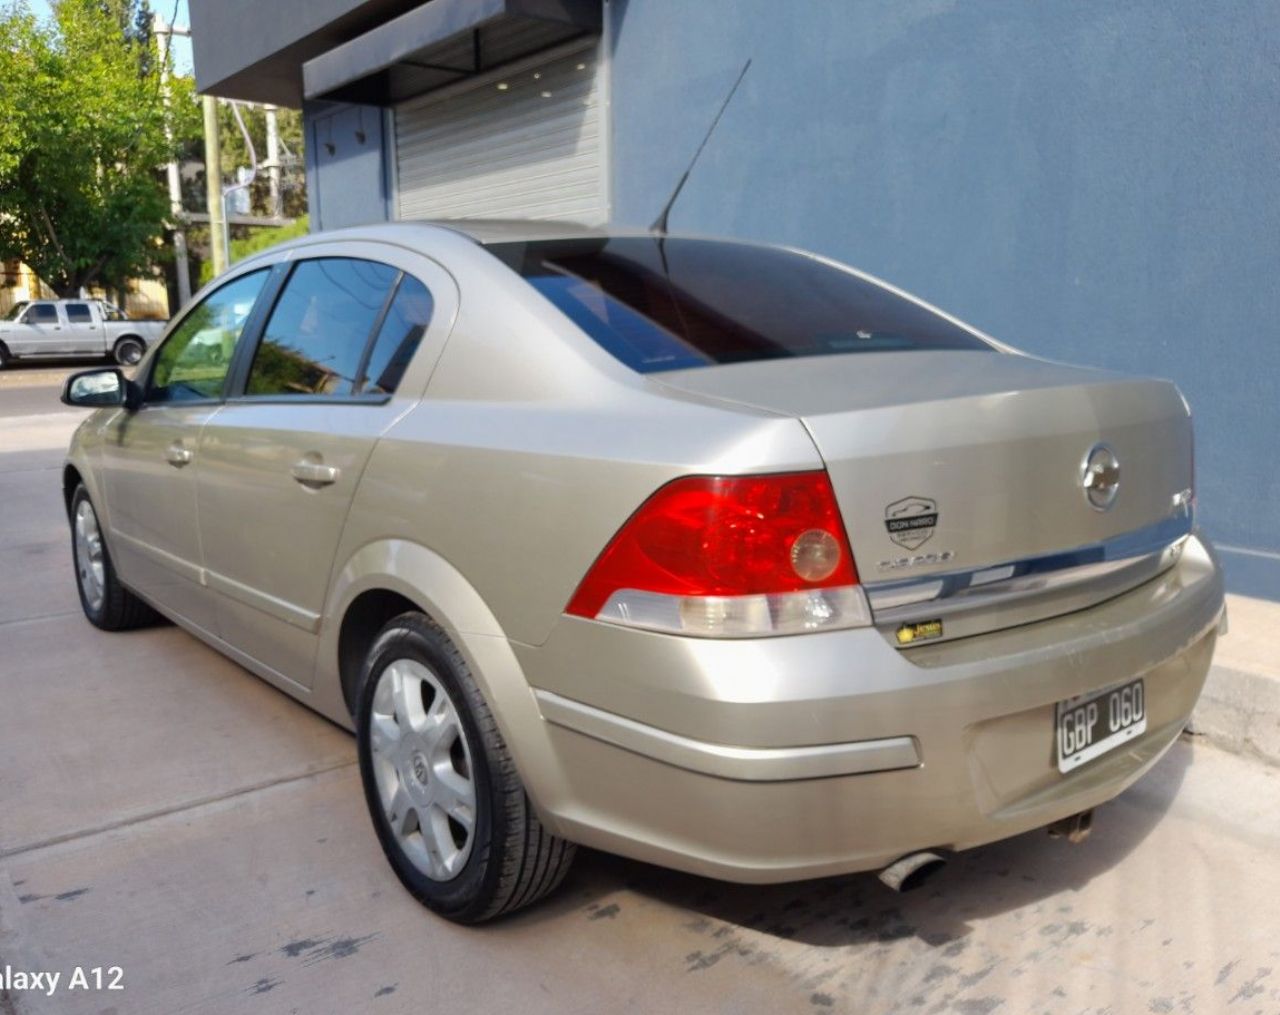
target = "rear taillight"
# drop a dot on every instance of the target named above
(729, 557)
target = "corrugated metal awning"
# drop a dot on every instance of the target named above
(441, 42)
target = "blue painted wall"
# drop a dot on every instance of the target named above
(1090, 181)
(346, 170)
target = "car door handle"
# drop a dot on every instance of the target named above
(311, 473)
(177, 455)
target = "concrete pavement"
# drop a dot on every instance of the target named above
(163, 811)
(1240, 707)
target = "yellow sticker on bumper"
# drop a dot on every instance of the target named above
(924, 630)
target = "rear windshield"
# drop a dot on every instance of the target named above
(672, 304)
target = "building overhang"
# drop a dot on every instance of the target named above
(369, 50)
(254, 50)
(442, 42)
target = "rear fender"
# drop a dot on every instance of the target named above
(440, 591)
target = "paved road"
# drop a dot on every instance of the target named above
(164, 811)
(27, 401)
(27, 388)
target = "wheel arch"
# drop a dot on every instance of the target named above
(366, 615)
(386, 578)
(71, 478)
(381, 580)
(76, 471)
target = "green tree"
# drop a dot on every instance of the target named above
(82, 198)
(256, 240)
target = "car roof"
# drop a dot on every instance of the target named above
(482, 232)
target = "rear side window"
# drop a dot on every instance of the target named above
(398, 337)
(192, 364)
(315, 340)
(42, 313)
(671, 304)
(78, 313)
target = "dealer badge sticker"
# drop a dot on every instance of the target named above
(911, 521)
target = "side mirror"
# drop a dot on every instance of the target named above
(95, 389)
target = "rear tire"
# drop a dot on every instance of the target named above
(129, 351)
(5, 357)
(449, 809)
(106, 602)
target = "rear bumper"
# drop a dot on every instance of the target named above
(820, 754)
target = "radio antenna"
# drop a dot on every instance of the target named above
(660, 223)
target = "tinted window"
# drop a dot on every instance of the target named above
(669, 304)
(315, 340)
(42, 313)
(193, 362)
(78, 313)
(398, 338)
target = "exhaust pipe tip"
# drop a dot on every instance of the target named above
(912, 871)
(1074, 829)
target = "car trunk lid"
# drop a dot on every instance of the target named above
(972, 465)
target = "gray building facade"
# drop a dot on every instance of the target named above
(1089, 181)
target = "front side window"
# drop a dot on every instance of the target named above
(315, 339)
(78, 313)
(193, 362)
(42, 313)
(658, 303)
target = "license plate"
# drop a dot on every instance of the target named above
(1090, 725)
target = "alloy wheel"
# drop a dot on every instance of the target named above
(90, 566)
(422, 765)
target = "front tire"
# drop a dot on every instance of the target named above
(5, 356)
(129, 351)
(106, 602)
(449, 809)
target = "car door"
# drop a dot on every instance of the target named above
(83, 330)
(149, 460)
(280, 463)
(39, 332)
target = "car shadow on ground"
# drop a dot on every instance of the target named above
(1002, 877)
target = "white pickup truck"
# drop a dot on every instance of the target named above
(69, 328)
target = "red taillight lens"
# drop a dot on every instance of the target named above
(720, 537)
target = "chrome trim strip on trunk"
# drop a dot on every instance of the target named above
(1063, 582)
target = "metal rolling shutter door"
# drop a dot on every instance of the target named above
(530, 150)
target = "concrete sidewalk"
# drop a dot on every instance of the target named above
(44, 431)
(1240, 707)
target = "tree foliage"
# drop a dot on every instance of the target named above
(258, 240)
(235, 154)
(83, 140)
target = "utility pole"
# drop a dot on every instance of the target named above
(183, 268)
(272, 165)
(213, 184)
